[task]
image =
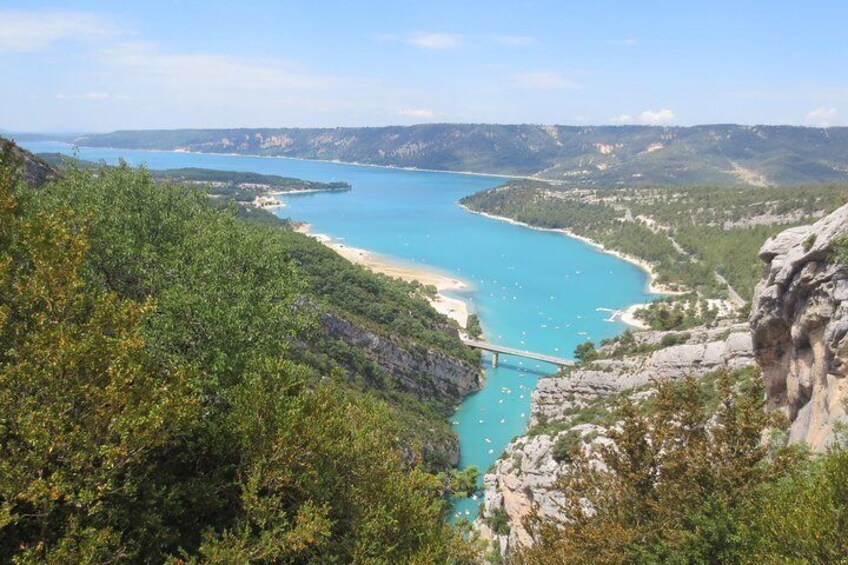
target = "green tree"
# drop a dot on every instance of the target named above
(473, 327)
(154, 405)
(87, 411)
(674, 484)
(585, 352)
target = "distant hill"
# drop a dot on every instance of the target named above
(596, 155)
(241, 185)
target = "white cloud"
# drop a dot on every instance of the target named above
(515, 40)
(417, 113)
(34, 31)
(648, 117)
(655, 118)
(192, 71)
(543, 80)
(434, 41)
(822, 117)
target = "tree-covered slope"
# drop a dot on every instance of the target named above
(167, 390)
(688, 233)
(722, 154)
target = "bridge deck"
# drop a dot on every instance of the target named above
(559, 361)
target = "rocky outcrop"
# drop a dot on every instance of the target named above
(425, 372)
(705, 350)
(799, 322)
(523, 479)
(35, 172)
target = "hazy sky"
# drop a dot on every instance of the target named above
(98, 65)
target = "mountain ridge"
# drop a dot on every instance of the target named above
(724, 154)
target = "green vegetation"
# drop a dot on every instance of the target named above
(460, 483)
(690, 234)
(473, 327)
(678, 313)
(198, 175)
(165, 394)
(585, 352)
(565, 447)
(624, 344)
(498, 521)
(691, 481)
(232, 185)
(809, 242)
(669, 340)
(840, 250)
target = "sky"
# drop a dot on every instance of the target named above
(90, 66)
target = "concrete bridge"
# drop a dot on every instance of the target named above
(497, 349)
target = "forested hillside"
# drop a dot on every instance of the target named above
(688, 233)
(722, 154)
(168, 390)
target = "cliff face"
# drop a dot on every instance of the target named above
(422, 371)
(799, 322)
(524, 478)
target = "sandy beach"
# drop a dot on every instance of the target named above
(453, 308)
(628, 316)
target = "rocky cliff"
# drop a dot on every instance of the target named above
(35, 171)
(799, 322)
(523, 479)
(425, 372)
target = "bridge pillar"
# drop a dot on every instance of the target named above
(494, 359)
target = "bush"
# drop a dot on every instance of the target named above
(585, 352)
(153, 408)
(674, 339)
(677, 486)
(473, 327)
(498, 521)
(565, 447)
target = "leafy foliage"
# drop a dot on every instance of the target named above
(688, 479)
(153, 406)
(679, 313)
(473, 327)
(585, 352)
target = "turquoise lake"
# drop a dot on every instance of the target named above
(533, 290)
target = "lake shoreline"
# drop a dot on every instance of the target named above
(454, 308)
(334, 161)
(627, 316)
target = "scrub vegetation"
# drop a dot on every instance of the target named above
(165, 396)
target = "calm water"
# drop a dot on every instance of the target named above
(533, 290)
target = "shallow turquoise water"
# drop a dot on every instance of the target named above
(533, 290)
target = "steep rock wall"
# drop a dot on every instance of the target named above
(425, 372)
(799, 322)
